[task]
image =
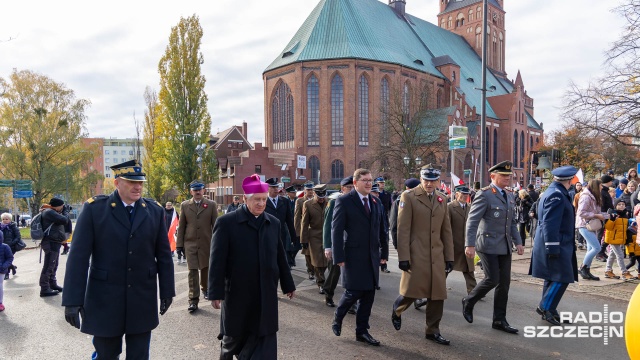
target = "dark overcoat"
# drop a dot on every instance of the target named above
(555, 236)
(284, 214)
(247, 261)
(114, 266)
(357, 239)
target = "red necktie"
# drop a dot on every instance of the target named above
(366, 206)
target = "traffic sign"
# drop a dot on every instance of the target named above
(458, 131)
(285, 179)
(6, 183)
(22, 194)
(457, 143)
(23, 185)
(467, 171)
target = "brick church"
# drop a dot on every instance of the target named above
(328, 94)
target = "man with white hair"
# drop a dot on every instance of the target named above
(247, 261)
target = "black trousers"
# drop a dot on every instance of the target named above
(331, 282)
(249, 347)
(497, 274)
(109, 348)
(49, 264)
(349, 298)
(522, 230)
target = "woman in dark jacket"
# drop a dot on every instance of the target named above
(626, 195)
(523, 205)
(11, 235)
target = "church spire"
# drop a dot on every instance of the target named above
(518, 83)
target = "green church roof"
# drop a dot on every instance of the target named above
(372, 30)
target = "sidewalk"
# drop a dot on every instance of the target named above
(616, 289)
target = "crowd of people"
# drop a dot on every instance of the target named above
(236, 261)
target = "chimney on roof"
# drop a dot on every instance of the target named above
(244, 129)
(398, 6)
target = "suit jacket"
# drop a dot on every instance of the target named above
(311, 231)
(247, 261)
(195, 229)
(284, 214)
(114, 266)
(356, 241)
(458, 217)
(424, 239)
(492, 224)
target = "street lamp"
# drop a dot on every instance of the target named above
(200, 149)
(418, 161)
(600, 165)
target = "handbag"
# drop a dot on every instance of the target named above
(20, 245)
(594, 225)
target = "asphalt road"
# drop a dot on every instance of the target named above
(34, 328)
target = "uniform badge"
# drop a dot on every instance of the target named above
(401, 204)
(496, 214)
(143, 205)
(439, 199)
(113, 204)
(205, 205)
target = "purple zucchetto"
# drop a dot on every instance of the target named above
(253, 185)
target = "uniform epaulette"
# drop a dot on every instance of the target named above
(93, 199)
(153, 201)
(486, 188)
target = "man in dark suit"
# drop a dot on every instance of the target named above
(119, 255)
(356, 232)
(280, 207)
(247, 261)
(492, 232)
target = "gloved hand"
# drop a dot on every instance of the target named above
(164, 305)
(448, 267)
(180, 250)
(305, 245)
(630, 255)
(72, 315)
(404, 265)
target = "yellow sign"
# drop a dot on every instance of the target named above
(632, 326)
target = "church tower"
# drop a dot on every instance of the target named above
(464, 17)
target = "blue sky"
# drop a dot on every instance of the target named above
(109, 52)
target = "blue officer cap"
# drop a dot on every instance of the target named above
(564, 173)
(196, 185)
(379, 179)
(130, 170)
(411, 183)
(308, 185)
(347, 181)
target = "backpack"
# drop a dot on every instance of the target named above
(37, 233)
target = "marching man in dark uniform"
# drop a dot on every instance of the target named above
(120, 254)
(425, 251)
(295, 246)
(492, 231)
(458, 214)
(197, 217)
(554, 255)
(247, 261)
(280, 207)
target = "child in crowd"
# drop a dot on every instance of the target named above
(633, 249)
(616, 236)
(6, 259)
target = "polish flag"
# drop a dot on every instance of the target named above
(516, 186)
(579, 177)
(455, 181)
(172, 230)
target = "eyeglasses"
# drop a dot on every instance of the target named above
(366, 181)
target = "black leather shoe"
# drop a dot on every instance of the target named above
(504, 326)
(437, 338)
(467, 310)
(206, 295)
(336, 327)
(192, 307)
(56, 288)
(420, 303)
(50, 292)
(321, 291)
(311, 277)
(550, 318)
(329, 302)
(368, 339)
(396, 320)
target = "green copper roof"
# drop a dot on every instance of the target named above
(371, 30)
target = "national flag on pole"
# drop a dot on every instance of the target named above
(172, 230)
(444, 188)
(578, 178)
(455, 181)
(516, 186)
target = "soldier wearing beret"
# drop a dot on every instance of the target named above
(120, 255)
(297, 223)
(492, 231)
(311, 232)
(554, 256)
(425, 252)
(280, 207)
(197, 217)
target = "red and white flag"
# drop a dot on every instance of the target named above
(455, 181)
(172, 230)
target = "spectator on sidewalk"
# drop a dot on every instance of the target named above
(6, 259)
(633, 249)
(9, 230)
(574, 200)
(626, 194)
(605, 206)
(616, 237)
(589, 207)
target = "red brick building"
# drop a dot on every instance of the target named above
(327, 91)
